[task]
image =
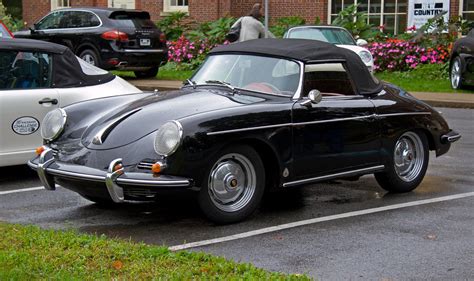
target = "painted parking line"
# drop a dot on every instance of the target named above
(22, 190)
(318, 220)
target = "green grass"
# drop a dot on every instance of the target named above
(28, 252)
(166, 72)
(425, 78)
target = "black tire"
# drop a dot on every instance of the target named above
(455, 74)
(247, 189)
(405, 180)
(90, 56)
(150, 73)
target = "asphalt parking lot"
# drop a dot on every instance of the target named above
(333, 230)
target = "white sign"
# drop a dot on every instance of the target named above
(420, 11)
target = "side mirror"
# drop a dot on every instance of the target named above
(314, 97)
(33, 29)
(361, 42)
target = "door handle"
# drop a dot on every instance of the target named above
(52, 101)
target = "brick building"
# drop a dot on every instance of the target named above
(390, 13)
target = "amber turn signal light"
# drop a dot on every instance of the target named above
(39, 150)
(156, 168)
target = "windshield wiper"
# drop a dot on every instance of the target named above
(190, 82)
(228, 85)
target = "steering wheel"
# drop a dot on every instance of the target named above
(263, 87)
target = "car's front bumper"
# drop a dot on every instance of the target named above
(114, 179)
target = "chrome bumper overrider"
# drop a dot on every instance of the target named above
(452, 136)
(47, 168)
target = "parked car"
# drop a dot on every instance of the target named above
(36, 77)
(107, 38)
(338, 36)
(261, 114)
(462, 62)
(4, 31)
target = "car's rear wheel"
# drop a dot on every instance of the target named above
(456, 73)
(90, 56)
(149, 73)
(233, 185)
(408, 163)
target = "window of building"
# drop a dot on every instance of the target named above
(467, 9)
(176, 5)
(58, 4)
(392, 14)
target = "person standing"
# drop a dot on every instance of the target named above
(251, 26)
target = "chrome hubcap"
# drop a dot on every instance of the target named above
(232, 182)
(88, 58)
(456, 74)
(408, 156)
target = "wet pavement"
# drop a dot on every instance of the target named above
(429, 241)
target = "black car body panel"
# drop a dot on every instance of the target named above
(143, 47)
(464, 49)
(299, 142)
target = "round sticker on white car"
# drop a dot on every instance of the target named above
(25, 125)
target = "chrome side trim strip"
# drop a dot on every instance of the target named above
(316, 122)
(143, 51)
(326, 177)
(248, 129)
(334, 120)
(403, 113)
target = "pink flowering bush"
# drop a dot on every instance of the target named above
(399, 55)
(188, 54)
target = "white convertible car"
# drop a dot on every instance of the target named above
(36, 77)
(335, 35)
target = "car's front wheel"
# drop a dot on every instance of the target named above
(456, 73)
(408, 163)
(233, 185)
(149, 73)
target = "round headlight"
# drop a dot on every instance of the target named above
(365, 56)
(53, 124)
(168, 138)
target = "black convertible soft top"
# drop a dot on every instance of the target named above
(308, 51)
(67, 71)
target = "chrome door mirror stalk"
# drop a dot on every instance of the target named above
(314, 97)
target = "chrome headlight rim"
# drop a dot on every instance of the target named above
(61, 129)
(178, 143)
(365, 54)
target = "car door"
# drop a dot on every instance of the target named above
(467, 51)
(338, 134)
(25, 98)
(51, 27)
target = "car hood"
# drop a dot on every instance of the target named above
(134, 120)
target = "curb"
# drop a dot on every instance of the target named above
(454, 101)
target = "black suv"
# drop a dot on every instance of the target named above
(108, 38)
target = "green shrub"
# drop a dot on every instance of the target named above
(12, 23)
(285, 23)
(213, 32)
(173, 25)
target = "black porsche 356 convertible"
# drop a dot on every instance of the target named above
(262, 114)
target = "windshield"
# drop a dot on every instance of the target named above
(4, 33)
(132, 19)
(256, 73)
(331, 35)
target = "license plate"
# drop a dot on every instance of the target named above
(145, 42)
